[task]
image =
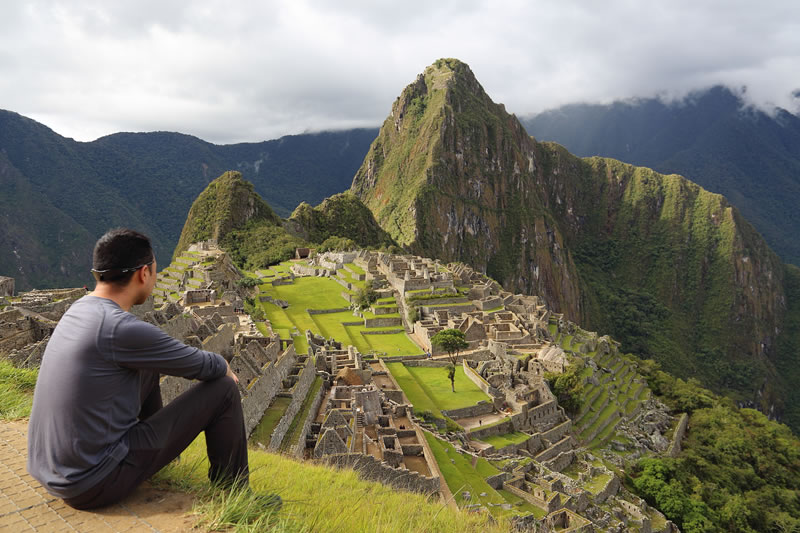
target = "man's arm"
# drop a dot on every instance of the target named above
(138, 344)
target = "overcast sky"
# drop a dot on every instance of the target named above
(230, 71)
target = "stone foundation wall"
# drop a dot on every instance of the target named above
(326, 311)
(499, 429)
(557, 433)
(427, 363)
(680, 431)
(563, 445)
(299, 447)
(370, 468)
(562, 461)
(479, 381)
(382, 322)
(261, 392)
(611, 488)
(479, 409)
(384, 332)
(299, 392)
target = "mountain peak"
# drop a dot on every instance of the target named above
(228, 203)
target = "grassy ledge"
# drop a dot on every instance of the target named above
(316, 498)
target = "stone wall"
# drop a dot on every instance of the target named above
(209, 310)
(557, 433)
(297, 448)
(480, 409)
(561, 461)
(611, 488)
(478, 380)
(563, 445)
(498, 429)
(382, 322)
(680, 431)
(261, 392)
(299, 392)
(221, 342)
(6, 286)
(372, 469)
(325, 311)
(542, 413)
(428, 363)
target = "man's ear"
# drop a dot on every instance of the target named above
(141, 276)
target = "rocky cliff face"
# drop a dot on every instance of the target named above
(453, 176)
(671, 269)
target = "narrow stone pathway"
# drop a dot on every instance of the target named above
(26, 506)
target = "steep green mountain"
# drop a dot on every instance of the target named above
(667, 267)
(711, 137)
(146, 181)
(341, 215)
(230, 213)
(448, 177)
(227, 204)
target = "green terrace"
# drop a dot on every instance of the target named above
(324, 294)
(465, 473)
(506, 439)
(620, 390)
(428, 388)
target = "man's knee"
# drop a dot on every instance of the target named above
(226, 388)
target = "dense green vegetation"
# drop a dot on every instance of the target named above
(738, 471)
(341, 216)
(749, 156)
(568, 387)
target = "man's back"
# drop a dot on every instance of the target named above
(87, 393)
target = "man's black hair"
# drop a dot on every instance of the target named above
(121, 249)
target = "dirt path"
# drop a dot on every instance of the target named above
(26, 506)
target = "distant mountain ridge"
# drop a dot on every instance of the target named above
(711, 137)
(59, 195)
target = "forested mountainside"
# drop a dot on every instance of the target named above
(712, 137)
(59, 195)
(670, 269)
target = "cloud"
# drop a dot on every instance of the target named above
(246, 71)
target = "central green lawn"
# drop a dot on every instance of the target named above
(412, 389)
(324, 293)
(437, 386)
(428, 389)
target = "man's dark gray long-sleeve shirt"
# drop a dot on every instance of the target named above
(87, 392)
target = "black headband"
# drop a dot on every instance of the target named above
(111, 274)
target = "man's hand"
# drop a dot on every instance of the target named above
(230, 373)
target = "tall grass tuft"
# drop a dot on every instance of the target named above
(16, 391)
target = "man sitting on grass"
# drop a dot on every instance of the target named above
(98, 427)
